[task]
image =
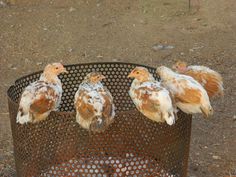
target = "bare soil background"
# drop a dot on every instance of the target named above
(36, 32)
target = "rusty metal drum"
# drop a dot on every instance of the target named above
(132, 146)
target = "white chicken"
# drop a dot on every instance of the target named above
(41, 97)
(150, 98)
(189, 95)
(95, 109)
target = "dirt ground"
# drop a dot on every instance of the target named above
(36, 32)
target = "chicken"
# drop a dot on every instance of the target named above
(95, 109)
(189, 95)
(41, 97)
(150, 98)
(209, 79)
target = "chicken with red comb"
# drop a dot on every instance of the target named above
(95, 109)
(211, 80)
(41, 97)
(150, 98)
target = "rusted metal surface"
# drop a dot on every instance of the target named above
(132, 146)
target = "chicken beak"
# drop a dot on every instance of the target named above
(103, 77)
(64, 70)
(130, 75)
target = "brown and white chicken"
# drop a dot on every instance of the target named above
(150, 98)
(41, 97)
(189, 95)
(209, 79)
(95, 109)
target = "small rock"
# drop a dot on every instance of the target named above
(205, 147)
(216, 144)
(115, 60)
(162, 47)
(99, 56)
(72, 9)
(216, 157)
(145, 11)
(197, 19)
(39, 63)
(143, 21)
(106, 24)
(11, 66)
(3, 4)
(70, 50)
(45, 28)
(27, 60)
(182, 53)
(234, 118)
(57, 15)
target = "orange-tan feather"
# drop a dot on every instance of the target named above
(107, 107)
(211, 82)
(189, 95)
(148, 107)
(94, 107)
(85, 110)
(41, 105)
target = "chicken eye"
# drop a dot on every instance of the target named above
(57, 68)
(137, 72)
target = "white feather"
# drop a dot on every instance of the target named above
(178, 87)
(95, 99)
(161, 96)
(33, 92)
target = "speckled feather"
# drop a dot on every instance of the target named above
(95, 109)
(189, 95)
(38, 100)
(41, 97)
(153, 100)
(208, 78)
